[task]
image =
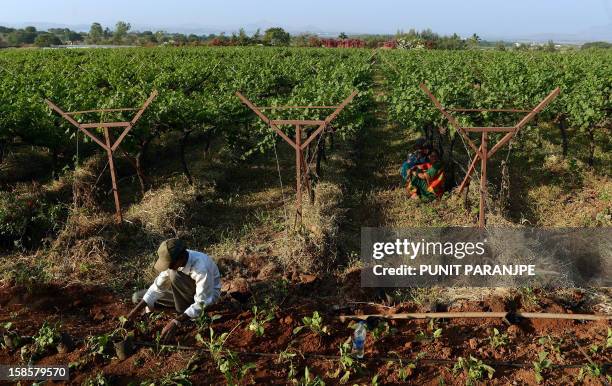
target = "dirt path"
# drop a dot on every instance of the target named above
(377, 154)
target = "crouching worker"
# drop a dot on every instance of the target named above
(188, 281)
(427, 182)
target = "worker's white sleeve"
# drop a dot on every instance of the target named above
(200, 299)
(160, 284)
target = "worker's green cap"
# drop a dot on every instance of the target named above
(169, 252)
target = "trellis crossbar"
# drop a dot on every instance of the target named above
(301, 169)
(107, 144)
(482, 152)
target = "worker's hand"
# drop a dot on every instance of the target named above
(135, 311)
(169, 329)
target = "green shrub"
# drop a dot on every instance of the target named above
(26, 218)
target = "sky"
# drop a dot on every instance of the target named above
(485, 17)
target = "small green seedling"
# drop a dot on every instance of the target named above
(314, 323)
(422, 336)
(11, 339)
(98, 380)
(403, 372)
(260, 318)
(233, 369)
(285, 357)
(7, 327)
(227, 361)
(553, 345)
(98, 345)
(205, 321)
(541, 366)
(609, 339)
(292, 373)
(374, 381)
(121, 332)
(310, 380)
(143, 325)
(176, 378)
(348, 365)
(473, 368)
(382, 330)
(592, 370)
(496, 339)
(432, 327)
(47, 336)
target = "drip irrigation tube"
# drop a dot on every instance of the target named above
(369, 358)
(500, 315)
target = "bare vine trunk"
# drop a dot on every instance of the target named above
(182, 146)
(562, 124)
(2, 150)
(591, 134)
(140, 163)
(320, 156)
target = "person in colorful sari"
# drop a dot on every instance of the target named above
(427, 181)
(416, 158)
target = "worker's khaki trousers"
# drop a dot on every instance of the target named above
(179, 296)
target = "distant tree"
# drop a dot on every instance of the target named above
(47, 40)
(217, 41)
(22, 36)
(243, 39)
(453, 42)
(6, 30)
(596, 45)
(550, 46)
(300, 40)
(474, 40)
(193, 38)
(96, 33)
(429, 35)
(65, 34)
(179, 39)
(314, 41)
(342, 36)
(121, 31)
(276, 37)
(160, 36)
(256, 36)
(146, 40)
(500, 46)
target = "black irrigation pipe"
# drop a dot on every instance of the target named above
(478, 315)
(369, 359)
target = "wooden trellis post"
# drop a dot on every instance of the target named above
(482, 152)
(301, 169)
(107, 144)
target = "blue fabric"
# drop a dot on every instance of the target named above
(413, 160)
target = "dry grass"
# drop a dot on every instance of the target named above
(164, 212)
(82, 250)
(312, 247)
